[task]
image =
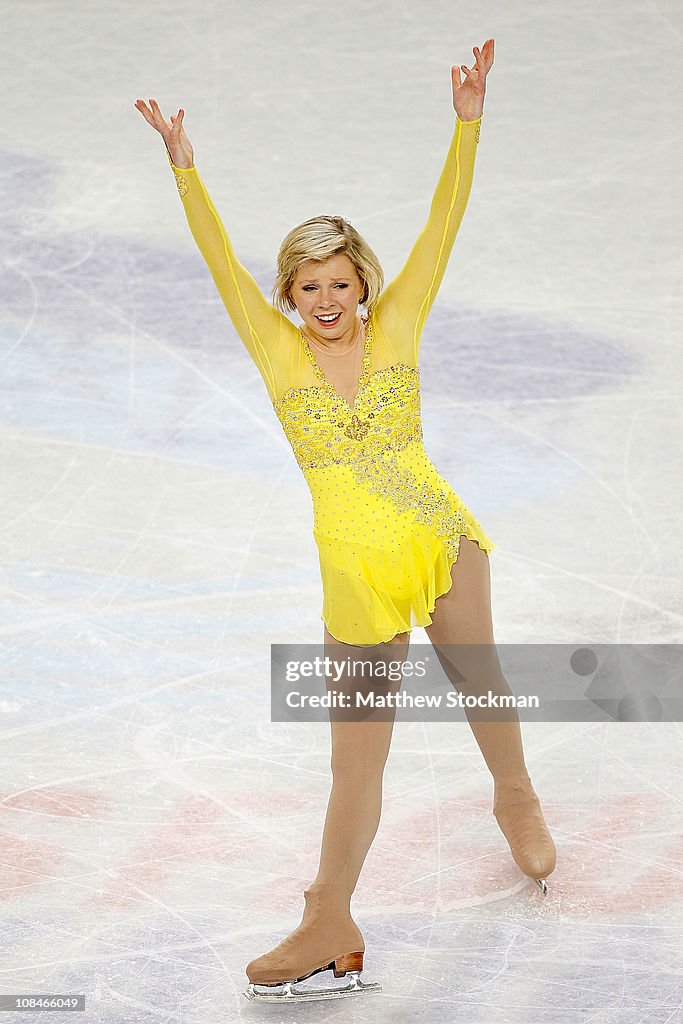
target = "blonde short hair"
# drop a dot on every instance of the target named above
(317, 239)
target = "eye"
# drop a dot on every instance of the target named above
(307, 287)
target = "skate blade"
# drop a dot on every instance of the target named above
(540, 882)
(292, 991)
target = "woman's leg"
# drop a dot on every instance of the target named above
(461, 632)
(359, 750)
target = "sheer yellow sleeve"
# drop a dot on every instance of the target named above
(257, 322)
(406, 301)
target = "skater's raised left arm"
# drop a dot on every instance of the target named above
(408, 298)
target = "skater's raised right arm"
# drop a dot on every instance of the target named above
(257, 322)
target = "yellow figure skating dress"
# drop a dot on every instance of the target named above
(386, 524)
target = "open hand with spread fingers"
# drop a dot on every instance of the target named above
(177, 142)
(468, 95)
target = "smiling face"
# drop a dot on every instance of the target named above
(330, 287)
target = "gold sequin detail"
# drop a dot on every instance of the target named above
(398, 484)
(324, 433)
(181, 184)
(477, 128)
(357, 429)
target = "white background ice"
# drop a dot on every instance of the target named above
(157, 828)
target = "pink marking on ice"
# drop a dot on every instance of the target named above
(610, 865)
(424, 842)
(26, 864)
(277, 802)
(58, 801)
(195, 833)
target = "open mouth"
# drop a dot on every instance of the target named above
(328, 321)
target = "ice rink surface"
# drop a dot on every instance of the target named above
(157, 828)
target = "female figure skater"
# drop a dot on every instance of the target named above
(397, 546)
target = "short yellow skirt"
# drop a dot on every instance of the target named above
(370, 594)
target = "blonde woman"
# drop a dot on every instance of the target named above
(397, 546)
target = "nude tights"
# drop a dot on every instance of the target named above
(461, 633)
(359, 751)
